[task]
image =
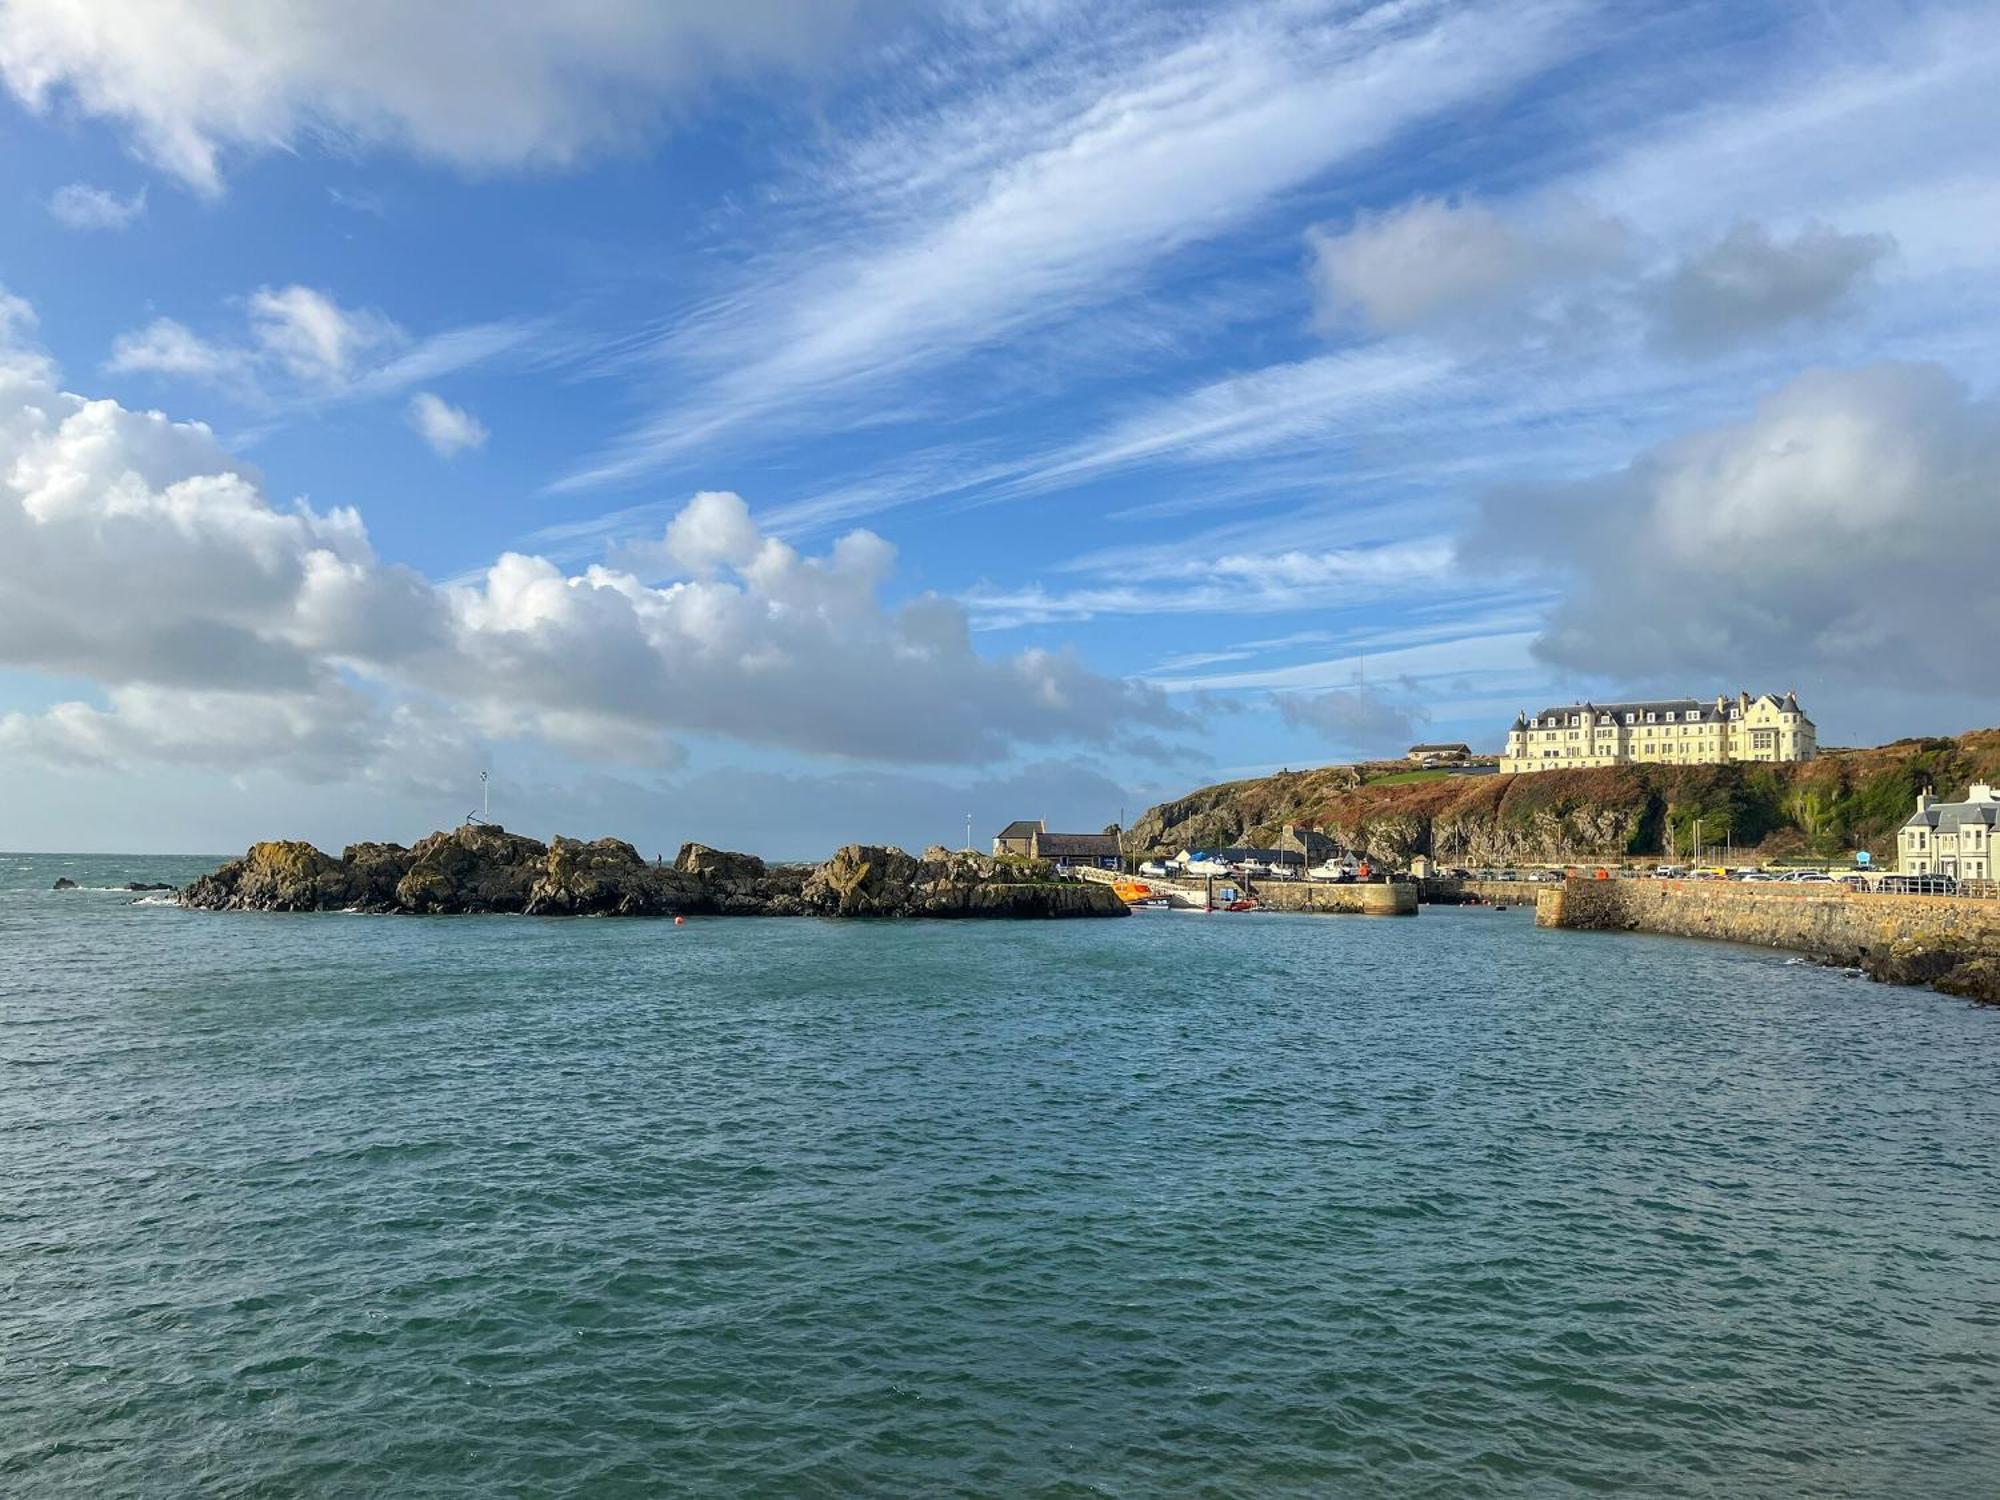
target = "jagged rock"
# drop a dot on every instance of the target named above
(147, 885)
(376, 870)
(865, 880)
(607, 877)
(476, 867)
(64, 883)
(1908, 961)
(1976, 979)
(861, 880)
(718, 864)
(279, 875)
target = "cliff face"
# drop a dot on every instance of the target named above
(1845, 800)
(486, 869)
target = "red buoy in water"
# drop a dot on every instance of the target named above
(680, 921)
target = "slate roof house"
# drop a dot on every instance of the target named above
(1951, 838)
(1033, 841)
(1432, 755)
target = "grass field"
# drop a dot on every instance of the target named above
(1407, 778)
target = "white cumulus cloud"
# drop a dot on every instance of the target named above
(81, 206)
(474, 85)
(448, 429)
(137, 553)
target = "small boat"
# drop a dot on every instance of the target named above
(1154, 868)
(1130, 891)
(1246, 903)
(1153, 903)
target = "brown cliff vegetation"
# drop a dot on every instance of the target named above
(1844, 800)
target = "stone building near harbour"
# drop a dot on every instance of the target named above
(1668, 732)
(1952, 838)
(1031, 839)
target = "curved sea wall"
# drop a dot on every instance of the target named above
(1952, 942)
(484, 868)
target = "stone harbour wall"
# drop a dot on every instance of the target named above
(1444, 891)
(1393, 899)
(1950, 941)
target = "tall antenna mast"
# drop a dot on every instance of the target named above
(485, 798)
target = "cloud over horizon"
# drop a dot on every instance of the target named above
(1842, 531)
(137, 553)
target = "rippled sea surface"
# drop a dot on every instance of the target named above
(1233, 1205)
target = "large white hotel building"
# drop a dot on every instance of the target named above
(1673, 732)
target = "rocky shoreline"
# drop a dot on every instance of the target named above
(484, 868)
(1951, 966)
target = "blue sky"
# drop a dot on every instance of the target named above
(777, 427)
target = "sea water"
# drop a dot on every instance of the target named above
(338, 1205)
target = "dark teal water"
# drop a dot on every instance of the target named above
(338, 1206)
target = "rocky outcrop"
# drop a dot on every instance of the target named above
(866, 880)
(477, 867)
(64, 883)
(1975, 979)
(484, 868)
(280, 875)
(1953, 966)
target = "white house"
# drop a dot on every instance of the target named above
(1951, 838)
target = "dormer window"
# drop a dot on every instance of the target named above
(1649, 718)
(1631, 718)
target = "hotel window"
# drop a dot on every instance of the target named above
(1649, 718)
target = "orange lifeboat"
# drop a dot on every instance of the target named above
(1130, 891)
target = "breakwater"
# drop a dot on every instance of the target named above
(1953, 942)
(1358, 898)
(1444, 891)
(1392, 899)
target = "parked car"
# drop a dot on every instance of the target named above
(1669, 872)
(1918, 885)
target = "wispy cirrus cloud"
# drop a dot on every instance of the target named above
(1101, 172)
